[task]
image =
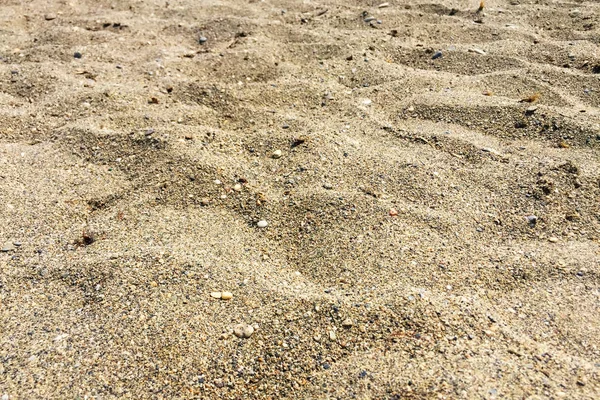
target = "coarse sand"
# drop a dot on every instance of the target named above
(278, 199)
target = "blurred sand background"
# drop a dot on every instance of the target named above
(433, 221)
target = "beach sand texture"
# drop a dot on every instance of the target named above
(401, 201)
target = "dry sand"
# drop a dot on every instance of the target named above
(118, 174)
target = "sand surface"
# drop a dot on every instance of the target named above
(433, 222)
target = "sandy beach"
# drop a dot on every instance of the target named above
(279, 199)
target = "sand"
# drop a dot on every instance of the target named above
(433, 222)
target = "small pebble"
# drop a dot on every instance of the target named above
(226, 295)
(393, 212)
(326, 366)
(553, 239)
(216, 295)
(243, 331)
(367, 102)
(202, 40)
(276, 154)
(262, 223)
(383, 5)
(49, 17)
(77, 55)
(332, 336)
(327, 186)
(347, 323)
(478, 51)
(437, 54)
(285, 126)
(531, 109)
(532, 219)
(237, 187)
(8, 246)
(369, 19)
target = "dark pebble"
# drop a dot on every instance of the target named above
(77, 55)
(202, 40)
(362, 374)
(326, 366)
(285, 126)
(437, 54)
(532, 219)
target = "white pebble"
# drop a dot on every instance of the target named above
(276, 154)
(478, 51)
(226, 295)
(262, 224)
(243, 331)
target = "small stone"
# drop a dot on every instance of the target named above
(531, 110)
(383, 5)
(50, 17)
(276, 154)
(369, 19)
(226, 295)
(367, 102)
(285, 126)
(216, 295)
(436, 55)
(491, 151)
(327, 186)
(332, 336)
(326, 366)
(478, 51)
(8, 246)
(347, 323)
(532, 219)
(393, 212)
(262, 224)
(77, 54)
(204, 201)
(237, 187)
(217, 182)
(243, 331)
(553, 239)
(202, 40)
